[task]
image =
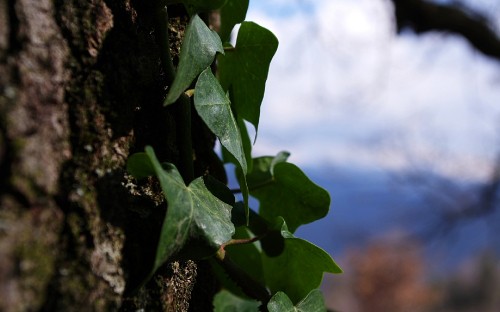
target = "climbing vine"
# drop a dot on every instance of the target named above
(256, 256)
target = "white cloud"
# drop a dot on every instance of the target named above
(344, 89)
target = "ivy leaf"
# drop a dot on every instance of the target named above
(225, 301)
(299, 268)
(246, 256)
(192, 210)
(314, 302)
(197, 52)
(196, 6)
(272, 243)
(247, 143)
(284, 190)
(214, 108)
(280, 303)
(247, 146)
(234, 12)
(139, 166)
(243, 70)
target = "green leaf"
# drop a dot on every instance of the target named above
(234, 12)
(139, 166)
(228, 157)
(192, 211)
(247, 143)
(214, 108)
(246, 256)
(243, 70)
(314, 302)
(196, 6)
(286, 192)
(272, 242)
(281, 157)
(197, 52)
(225, 301)
(299, 269)
(280, 303)
(247, 147)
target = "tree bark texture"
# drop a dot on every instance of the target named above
(81, 88)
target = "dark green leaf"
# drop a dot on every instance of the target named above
(312, 303)
(232, 13)
(139, 166)
(258, 225)
(219, 190)
(287, 193)
(238, 214)
(192, 210)
(246, 256)
(214, 108)
(299, 269)
(197, 52)
(243, 70)
(225, 301)
(225, 280)
(272, 242)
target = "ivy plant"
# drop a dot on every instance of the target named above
(261, 264)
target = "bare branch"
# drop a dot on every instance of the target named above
(425, 16)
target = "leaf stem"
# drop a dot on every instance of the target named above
(221, 253)
(162, 39)
(185, 139)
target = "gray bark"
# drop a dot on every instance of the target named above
(81, 88)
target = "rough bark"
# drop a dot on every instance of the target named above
(81, 88)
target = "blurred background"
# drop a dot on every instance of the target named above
(394, 108)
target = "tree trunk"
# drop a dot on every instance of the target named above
(81, 88)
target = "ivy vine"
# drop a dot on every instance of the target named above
(261, 264)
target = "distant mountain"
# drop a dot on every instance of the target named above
(370, 204)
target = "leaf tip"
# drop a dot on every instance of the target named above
(170, 99)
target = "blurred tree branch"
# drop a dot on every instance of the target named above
(424, 16)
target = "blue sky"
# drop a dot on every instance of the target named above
(343, 89)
